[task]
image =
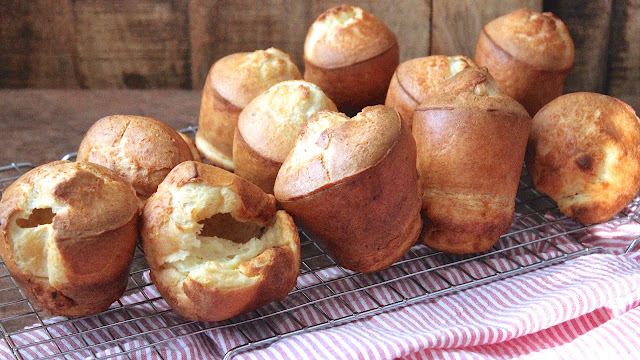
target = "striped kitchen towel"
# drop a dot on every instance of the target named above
(584, 308)
(587, 307)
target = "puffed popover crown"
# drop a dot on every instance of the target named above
(422, 76)
(240, 77)
(345, 35)
(271, 122)
(584, 152)
(142, 150)
(332, 147)
(473, 88)
(539, 39)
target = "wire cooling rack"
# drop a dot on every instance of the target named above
(141, 324)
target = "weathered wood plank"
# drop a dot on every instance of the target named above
(133, 44)
(456, 24)
(172, 43)
(624, 49)
(30, 134)
(37, 42)
(588, 23)
(222, 27)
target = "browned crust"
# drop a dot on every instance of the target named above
(253, 166)
(346, 45)
(88, 292)
(459, 91)
(231, 84)
(567, 150)
(151, 146)
(470, 154)
(539, 39)
(217, 123)
(96, 237)
(277, 268)
(195, 154)
(416, 79)
(240, 77)
(338, 149)
(271, 122)
(358, 85)
(269, 126)
(401, 100)
(469, 162)
(369, 220)
(96, 277)
(531, 86)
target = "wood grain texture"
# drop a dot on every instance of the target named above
(42, 125)
(37, 44)
(222, 27)
(456, 24)
(284, 24)
(410, 20)
(172, 43)
(133, 44)
(624, 49)
(588, 23)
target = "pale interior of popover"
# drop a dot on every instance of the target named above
(487, 88)
(456, 64)
(32, 236)
(212, 243)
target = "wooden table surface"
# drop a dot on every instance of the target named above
(40, 126)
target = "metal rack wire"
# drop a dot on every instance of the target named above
(141, 323)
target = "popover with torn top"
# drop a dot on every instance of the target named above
(68, 231)
(216, 245)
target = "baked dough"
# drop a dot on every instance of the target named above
(471, 141)
(232, 83)
(416, 79)
(351, 55)
(142, 150)
(352, 184)
(529, 55)
(268, 128)
(68, 231)
(216, 245)
(584, 153)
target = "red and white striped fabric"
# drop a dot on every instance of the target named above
(583, 308)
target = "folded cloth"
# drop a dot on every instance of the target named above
(587, 307)
(583, 308)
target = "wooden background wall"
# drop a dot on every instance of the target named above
(172, 43)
